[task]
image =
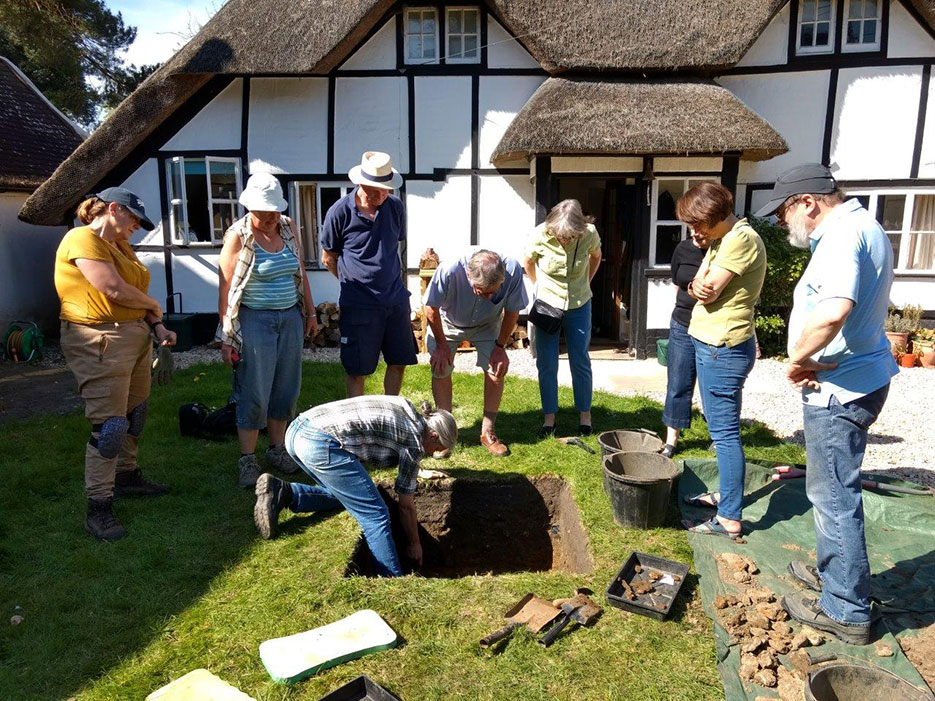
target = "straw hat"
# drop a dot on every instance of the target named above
(263, 193)
(376, 170)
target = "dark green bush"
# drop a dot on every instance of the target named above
(785, 265)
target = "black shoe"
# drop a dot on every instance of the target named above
(101, 522)
(272, 496)
(805, 574)
(668, 451)
(585, 430)
(546, 431)
(807, 610)
(133, 484)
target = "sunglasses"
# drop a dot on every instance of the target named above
(784, 208)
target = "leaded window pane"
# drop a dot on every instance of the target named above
(870, 31)
(470, 47)
(470, 21)
(808, 11)
(822, 32)
(853, 32)
(454, 47)
(824, 10)
(808, 35)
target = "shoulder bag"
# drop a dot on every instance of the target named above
(544, 316)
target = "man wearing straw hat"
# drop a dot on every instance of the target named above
(360, 246)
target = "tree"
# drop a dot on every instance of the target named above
(69, 48)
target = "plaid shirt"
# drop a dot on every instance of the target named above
(382, 430)
(228, 331)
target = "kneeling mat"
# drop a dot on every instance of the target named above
(301, 655)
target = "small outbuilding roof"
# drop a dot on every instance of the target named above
(589, 116)
(36, 136)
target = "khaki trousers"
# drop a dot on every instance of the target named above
(112, 364)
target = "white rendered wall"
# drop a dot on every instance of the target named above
(438, 215)
(907, 39)
(371, 114)
(772, 46)
(27, 264)
(379, 51)
(443, 123)
(288, 127)
(876, 110)
(795, 105)
(145, 184)
(156, 263)
(596, 164)
(216, 126)
(195, 275)
(501, 98)
(506, 214)
(324, 285)
(660, 301)
(909, 290)
(703, 164)
(503, 51)
(927, 154)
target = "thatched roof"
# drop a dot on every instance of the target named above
(582, 116)
(36, 136)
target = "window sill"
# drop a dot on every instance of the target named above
(914, 273)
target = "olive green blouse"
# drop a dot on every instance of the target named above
(562, 271)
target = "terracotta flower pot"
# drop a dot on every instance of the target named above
(927, 357)
(908, 360)
(897, 340)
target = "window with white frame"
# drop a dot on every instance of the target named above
(462, 32)
(666, 231)
(203, 196)
(862, 25)
(421, 35)
(309, 204)
(908, 217)
(816, 27)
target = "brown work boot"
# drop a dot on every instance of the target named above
(494, 445)
(101, 522)
(133, 484)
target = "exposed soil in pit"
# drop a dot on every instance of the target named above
(920, 649)
(481, 526)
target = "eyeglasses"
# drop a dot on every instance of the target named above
(784, 208)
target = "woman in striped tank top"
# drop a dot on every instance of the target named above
(266, 311)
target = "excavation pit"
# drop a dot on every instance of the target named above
(470, 527)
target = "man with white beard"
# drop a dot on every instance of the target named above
(840, 360)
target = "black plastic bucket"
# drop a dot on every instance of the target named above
(639, 485)
(851, 681)
(621, 441)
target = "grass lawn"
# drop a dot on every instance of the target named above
(194, 586)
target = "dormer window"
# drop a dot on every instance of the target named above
(862, 23)
(463, 35)
(816, 26)
(421, 36)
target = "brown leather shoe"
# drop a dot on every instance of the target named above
(494, 445)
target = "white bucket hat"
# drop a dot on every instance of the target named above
(263, 193)
(376, 170)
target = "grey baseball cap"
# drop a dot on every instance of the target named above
(124, 197)
(806, 179)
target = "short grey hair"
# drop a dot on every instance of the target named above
(566, 221)
(442, 423)
(486, 269)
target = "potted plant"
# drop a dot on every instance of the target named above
(923, 345)
(899, 324)
(907, 360)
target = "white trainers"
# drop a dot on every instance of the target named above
(278, 459)
(249, 473)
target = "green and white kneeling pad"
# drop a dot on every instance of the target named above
(298, 656)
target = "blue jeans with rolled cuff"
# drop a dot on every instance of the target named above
(577, 327)
(722, 372)
(343, 483)
(835, 440)
(680, 377)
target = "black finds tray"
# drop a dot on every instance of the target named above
(655, 603)
(363, 688)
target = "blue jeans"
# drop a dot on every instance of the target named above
(577, 326)
(269, 375)
(344, 483)
(681, 374)
(721, 374)
(835, 440)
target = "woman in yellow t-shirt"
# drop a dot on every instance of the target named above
(108, 321)
(561, 258)
(727, 285)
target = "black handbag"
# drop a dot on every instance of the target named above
(546, 318)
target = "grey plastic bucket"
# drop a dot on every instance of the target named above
(619, 441)
(638, 485)
(851, 681)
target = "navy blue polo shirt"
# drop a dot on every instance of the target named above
(369, 269)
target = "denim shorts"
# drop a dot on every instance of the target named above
(368, 331)
(269, 375)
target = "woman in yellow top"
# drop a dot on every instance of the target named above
(561, 258)
(108, 321)
(727, 285)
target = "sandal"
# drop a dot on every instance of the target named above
(711, 527)
(699, 500)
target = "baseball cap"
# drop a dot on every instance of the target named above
(124, 197)
(805, 179)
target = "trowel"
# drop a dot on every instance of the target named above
(530, 611)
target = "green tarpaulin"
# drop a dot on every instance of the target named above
(779, 527)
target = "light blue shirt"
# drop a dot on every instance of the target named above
(272, 280)
(453, 294)
(851, 259)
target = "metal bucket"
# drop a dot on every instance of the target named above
(619, 441)
(638, 485)
(851, 681)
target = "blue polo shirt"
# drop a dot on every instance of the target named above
(369, 269)
(851, 259)
(453, 294)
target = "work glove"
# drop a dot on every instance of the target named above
(163, 365)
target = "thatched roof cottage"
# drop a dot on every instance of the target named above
(495, 111)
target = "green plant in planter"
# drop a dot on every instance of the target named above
(897, 323)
